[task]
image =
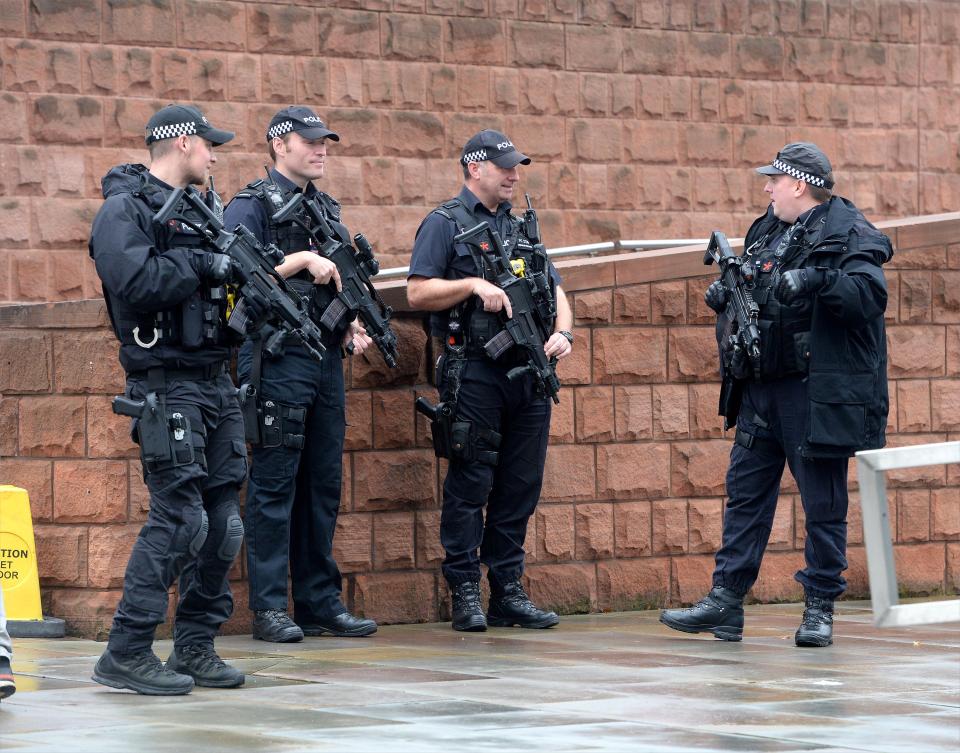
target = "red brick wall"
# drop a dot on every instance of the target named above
(640, 114)
(633, 495)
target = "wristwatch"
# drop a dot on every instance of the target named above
(568, 335)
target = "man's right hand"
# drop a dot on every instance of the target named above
(494, 298)
(323, 271)
(716, 296)
(212, 266)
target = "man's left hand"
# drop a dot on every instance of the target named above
(799, 283)
(358, 336)
(558, 345)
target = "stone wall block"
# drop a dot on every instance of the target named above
(594, 531)
(24, 362)
(633, 584)
(632, 529)
(77, 20)
(90, 491)
(396, 597)
(594, 414)
(699, 468)
(393, 541)
(61, 555)
(394, 479)
(208, 25)
(109, 551)
(87, 363)
(52, 426)
(633, 471)
(566, 588)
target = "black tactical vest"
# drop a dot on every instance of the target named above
(199, 321)
(784, 330)
(478, 325)
(290, 236)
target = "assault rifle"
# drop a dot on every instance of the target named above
(358, 296)
(253, 267)
(527, 328)
(743, 312)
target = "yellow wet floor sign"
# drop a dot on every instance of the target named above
(18, 556)
(19, 576)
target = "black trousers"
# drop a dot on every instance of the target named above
(509, 491)
(293, 496)
(753, 488)
(193, 529)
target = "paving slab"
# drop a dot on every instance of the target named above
(607, 682)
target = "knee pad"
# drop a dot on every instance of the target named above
(232, 538)
(227, 526)
(200, 536)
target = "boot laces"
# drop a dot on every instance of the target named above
(202, 657)
(468, 595)
(147, 662)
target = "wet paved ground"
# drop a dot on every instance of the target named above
(614, 682)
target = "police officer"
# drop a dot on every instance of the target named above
(166, 299)
(294, 491)
(817, 395)
(510, 419)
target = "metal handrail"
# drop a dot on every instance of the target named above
(586, 249)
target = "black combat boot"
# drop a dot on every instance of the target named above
(275, 626)
(719, 612)
(511, 606)
(142, 672)
(467, 611)
(816, 630)
(343, 625)
(201, 662)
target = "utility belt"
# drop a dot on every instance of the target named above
(197, 373)
(166, 441)
(268, 423)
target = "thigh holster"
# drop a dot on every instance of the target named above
(459, 440)
(281, 425)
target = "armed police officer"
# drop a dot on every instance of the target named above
(293, 494)
(504, 421)
(166, 298)
(816, 394)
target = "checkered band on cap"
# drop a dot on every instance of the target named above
(173, 130)
(478, 156)
(798, 174)
(280, 128)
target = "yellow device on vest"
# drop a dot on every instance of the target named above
(518, 267)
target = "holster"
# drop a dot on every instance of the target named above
(164, 442)
(459, 440)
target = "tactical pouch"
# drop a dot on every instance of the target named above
(191, 322)
(281, 425)
(249, 406)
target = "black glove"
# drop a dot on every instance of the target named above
(212, 266)
(716, 296)
(799, 283)
(735, 360)
(257, 307)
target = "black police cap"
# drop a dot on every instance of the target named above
(300, 120)
(493, 146)
(803, 161)
(183, 120)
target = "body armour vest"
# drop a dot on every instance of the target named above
(199, 322)
(478, 325)
(290, 236)
(784, 330)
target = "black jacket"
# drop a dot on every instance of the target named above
(847, 378)
(145, 280)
